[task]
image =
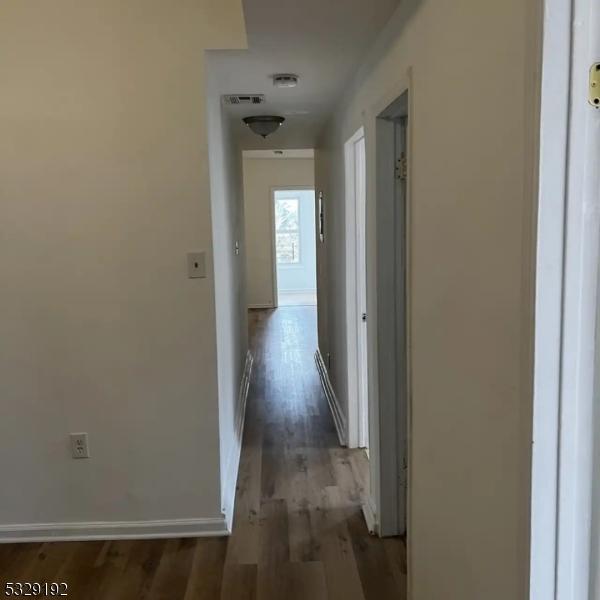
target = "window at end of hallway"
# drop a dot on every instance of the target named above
(287, 226)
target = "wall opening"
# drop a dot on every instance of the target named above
(392, 175)
(294, 247)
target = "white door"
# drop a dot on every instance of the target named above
(356, 292)
(361, 291)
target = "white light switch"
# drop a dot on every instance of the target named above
(196, 263)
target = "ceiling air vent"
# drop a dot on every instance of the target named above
(244, 99)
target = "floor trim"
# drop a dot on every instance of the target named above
(369, 514)
(339, 418)
(113, 530)
(233, 460)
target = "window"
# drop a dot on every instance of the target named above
(287, 229)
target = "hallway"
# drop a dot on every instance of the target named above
(298, 534)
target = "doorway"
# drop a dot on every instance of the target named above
(356, 292)
(392, 372)
(294, 247)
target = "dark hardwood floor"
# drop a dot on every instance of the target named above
(299, 533)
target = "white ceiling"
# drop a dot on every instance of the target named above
(322, 41)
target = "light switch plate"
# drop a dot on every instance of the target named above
(196, 265)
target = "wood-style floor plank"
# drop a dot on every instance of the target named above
(305, 580)
(139, 573)
(337, 549)
(173, 570)
(243, 546)
(298, 533)
(374, 567)
(207, 573)
(80, 572)
(239, 582)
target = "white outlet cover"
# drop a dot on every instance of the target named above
(196, 265)
(79, 445)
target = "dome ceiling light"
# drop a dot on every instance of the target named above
(264, 125)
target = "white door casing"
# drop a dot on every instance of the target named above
(565, 509)
(356, 291)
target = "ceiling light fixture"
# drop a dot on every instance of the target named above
(264, 125)
(285, 80)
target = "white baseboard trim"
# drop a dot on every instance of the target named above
(256, 306)
(124, 530)
(339, 418)
(233, 460)
(113, 530)
(370, 516)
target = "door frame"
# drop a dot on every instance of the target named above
(564, 511)
(383, 504)
(356, 289)
(273, 189)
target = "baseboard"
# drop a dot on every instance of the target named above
(369, 514)
(113, 530)
(233, 460)
(123, 530)
(337, 413)
(259, 306)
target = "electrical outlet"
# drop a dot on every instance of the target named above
(79, 445)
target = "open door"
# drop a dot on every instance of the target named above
(356, 292)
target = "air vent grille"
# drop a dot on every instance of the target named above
(244, 99)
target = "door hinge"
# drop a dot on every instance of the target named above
(402, 167)
(594, 89)
(364, 317)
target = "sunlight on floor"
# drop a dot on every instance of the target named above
(297, 298)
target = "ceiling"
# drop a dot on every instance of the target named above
(321, 41)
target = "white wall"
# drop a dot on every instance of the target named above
(227, 209)
(260, 176)
(104, 189)
(470, 290)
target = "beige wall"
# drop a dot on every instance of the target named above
(470, 288)
(260, 176)
(104, 189)
(227, 211)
